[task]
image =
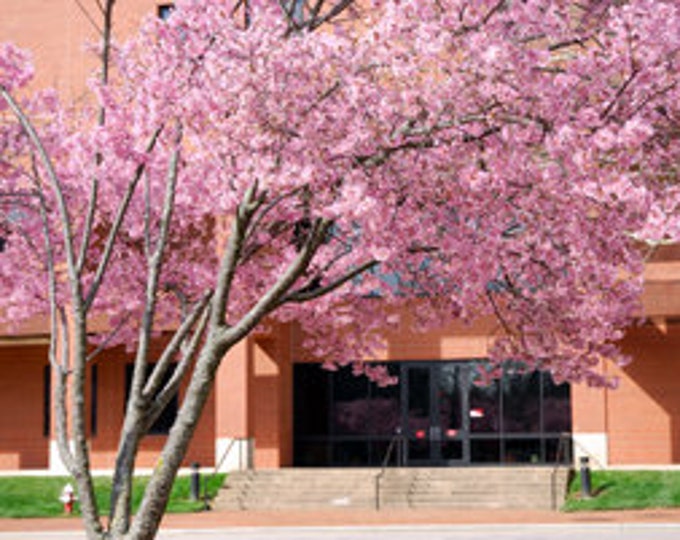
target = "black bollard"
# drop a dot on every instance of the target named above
(195, 481)
(586, 485)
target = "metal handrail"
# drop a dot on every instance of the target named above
(588, 453)
(217, 467)
(396, 438)
(226, 452)
(562, 445)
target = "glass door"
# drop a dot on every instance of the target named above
(434, 412)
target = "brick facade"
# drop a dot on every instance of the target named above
(638, 424)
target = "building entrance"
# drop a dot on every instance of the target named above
(434, 414)
(438, 415)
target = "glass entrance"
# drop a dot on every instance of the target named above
(441, 413)
(435, 415)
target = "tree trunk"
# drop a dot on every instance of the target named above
(147, 520)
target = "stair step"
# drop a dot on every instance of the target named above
(464, 488)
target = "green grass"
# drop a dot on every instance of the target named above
(620, 490)
(27, 496)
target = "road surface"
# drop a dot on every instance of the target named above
(609, 531)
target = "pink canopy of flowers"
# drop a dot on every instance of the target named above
(491, 158)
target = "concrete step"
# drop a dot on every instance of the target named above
(478, 487)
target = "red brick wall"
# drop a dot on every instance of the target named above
(111, 407)
(644, 412)
(58, 32)
(271, 399)
(22, 442)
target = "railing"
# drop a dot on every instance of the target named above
(565, 440)
(397, 442)
(227, 451)
(584, 451)
(218, 465)
(563, 444)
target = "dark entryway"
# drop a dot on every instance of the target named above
(434, 413)
(439, 413)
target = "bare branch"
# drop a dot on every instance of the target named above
(154, 269)
(622, 89)
(106, 32)
(272, 298)
(88, 225)
(154, 381)
(105, 343)
(188, 353)
(305, 295)
(252, 200)
(268, 208)
(499, 315)
(336, 10)
(117, 224)
(37, 143)
(89, 17)
(483, 21)
(106, 45)
(315, 10)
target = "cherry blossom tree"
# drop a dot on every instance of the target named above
(333, 164)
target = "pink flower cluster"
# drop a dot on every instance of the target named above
(488, 161)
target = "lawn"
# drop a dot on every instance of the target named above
(27, 496)
(614, 490)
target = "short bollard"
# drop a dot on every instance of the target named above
(195, 482)
(586, 485)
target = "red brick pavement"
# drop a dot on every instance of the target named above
(347, 517)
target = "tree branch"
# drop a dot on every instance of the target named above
(154, 269)
(303, 295)
(37, 143)
(155, 380)
(241, 221)
(172, 386)
(89, 17)
(117, 224)
(271, 299)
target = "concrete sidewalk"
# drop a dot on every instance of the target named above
(348, 517)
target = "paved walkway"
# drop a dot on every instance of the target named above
(347, 518)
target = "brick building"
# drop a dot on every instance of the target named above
(272, 407)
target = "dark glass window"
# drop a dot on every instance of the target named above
(312, 453)
(442, 409)
(47, 400)
(485, 450)
(351, 453)
(485, 407)
(521, 402)
(523, 450)
(384, 412)
(558, 450)
(351, 404)
(94, 388)
(556, 406)
(379, 454)
(166, 419)
(418, 403)
(449, 396)
(165, 10)
(311, 400)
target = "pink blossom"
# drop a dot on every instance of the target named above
(489, 172)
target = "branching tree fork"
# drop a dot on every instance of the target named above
(450, 158)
